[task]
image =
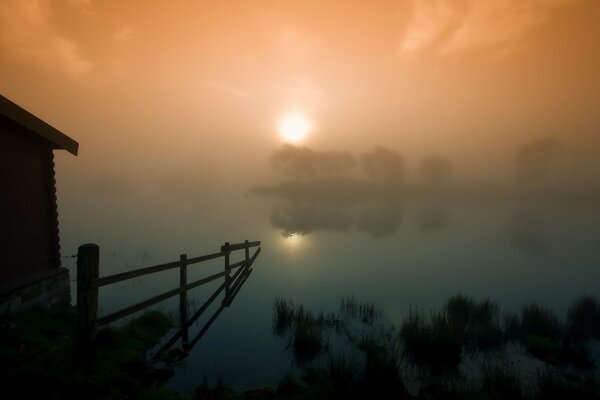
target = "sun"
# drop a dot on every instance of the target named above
(293, 127)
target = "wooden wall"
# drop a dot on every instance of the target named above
(29, 243)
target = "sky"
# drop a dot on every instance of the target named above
(171, 94)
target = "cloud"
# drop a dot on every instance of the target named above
(26, 29)
(298, 47)
(454, 27)
(228, 89)
(123, 33)
(80, 2)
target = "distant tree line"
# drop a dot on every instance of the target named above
(381, 164)
(548, 163)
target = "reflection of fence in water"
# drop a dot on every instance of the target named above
(88, 283)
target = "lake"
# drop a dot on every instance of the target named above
(399, 254)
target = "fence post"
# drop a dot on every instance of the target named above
(183, 314)
(226, 301)
(247, 250)
(88, 258)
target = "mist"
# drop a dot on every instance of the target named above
(402, 151)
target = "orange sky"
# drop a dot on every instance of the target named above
(165, 88)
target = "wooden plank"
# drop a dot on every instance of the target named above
(238, 282)
(237, 264)
(194, 317)
(87, 296)
(256, 253)
(191, 320)
(241, 282)
(226, 248)
(239, 277)
(240, 246)
(237, 273)
(183, 311)
(206, 326)
(136, 307)
(205, 258)
(207, 304)
(107, 280)
(147, 303)
(205, 280)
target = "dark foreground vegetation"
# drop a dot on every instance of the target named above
(466, 350)
(40, 357)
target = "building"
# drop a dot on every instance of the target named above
(30, 263)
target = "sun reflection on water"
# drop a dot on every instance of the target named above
(293, 241)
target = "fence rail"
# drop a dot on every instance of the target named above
(88, 283)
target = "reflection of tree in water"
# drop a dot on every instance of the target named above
(300, 219)
(527, 232)
(432, 218)
(436, 170)
(537, 163)
(297, 218)
(381, 220)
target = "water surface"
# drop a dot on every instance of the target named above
(399, 254)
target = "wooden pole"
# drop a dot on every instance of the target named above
(225, 249)
(88, 260)
(183, 314)
(247, 250)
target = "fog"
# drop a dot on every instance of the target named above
(401, 150)
(176, 106)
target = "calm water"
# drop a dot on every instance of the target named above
(398, 255)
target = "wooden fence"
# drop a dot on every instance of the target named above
(89, 281)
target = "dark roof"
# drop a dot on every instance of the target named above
(24, 118)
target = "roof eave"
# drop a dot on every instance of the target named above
(24, 118)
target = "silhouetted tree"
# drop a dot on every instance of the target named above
(305, 163)
(432, 218)
(535, 161)
(436, 170)
(383, 164)
(381, 219)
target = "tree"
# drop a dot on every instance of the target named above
(383, 164)
(305, 163)
(436, 170)
(536, 161)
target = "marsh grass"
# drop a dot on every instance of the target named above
(577, 355)
(283, 316)
(551, 384)
(433, 344)
(501, 381)
(381, 368)
(459, 309)
(302, 328)
(367, 313)
(292, 388)
(583, 320)
(477, 323)
(307, 335)
(511, 324)
(537, 320)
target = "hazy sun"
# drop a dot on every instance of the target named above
(294, 127)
